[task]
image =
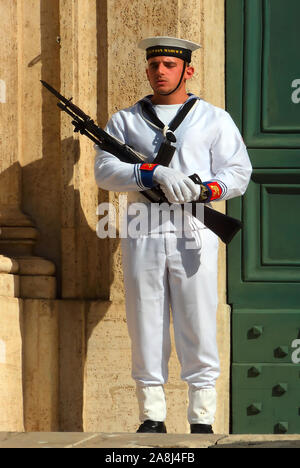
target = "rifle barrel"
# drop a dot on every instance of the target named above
(67, 102)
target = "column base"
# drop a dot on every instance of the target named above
(27, 277)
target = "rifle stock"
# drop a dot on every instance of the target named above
(225, 227)
(222, 225)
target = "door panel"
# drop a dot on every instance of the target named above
(263, 97)
(271, 64)
(268, 398)
(266, 336)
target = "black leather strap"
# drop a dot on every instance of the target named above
(165, 154)
(180, 116)
(166, 150)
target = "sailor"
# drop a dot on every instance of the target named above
(161, 270)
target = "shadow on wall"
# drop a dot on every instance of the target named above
(86, 275)
(77, 315)
(83, 261)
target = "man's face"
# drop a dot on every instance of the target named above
(164, 73)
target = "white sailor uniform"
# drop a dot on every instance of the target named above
(160, 269)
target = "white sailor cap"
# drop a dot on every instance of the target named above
(168, 46)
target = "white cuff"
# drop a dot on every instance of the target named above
(202, 405)
(152, 403)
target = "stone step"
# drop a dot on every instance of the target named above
(144, 441)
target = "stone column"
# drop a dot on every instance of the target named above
(86, 271)
(33, 276)
(11, 365)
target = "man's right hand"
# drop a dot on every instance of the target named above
(177, 187)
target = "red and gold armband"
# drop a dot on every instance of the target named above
(213, 191)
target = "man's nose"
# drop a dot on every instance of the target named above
(160, 68)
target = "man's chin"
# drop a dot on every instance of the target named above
(162, 91)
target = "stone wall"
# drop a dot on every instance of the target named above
(64, 349)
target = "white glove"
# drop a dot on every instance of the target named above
(177, 187)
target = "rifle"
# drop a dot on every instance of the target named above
(224, 226)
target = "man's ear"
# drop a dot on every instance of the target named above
(147, 73)
(189, 72)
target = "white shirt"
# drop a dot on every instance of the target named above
(166, 112)
(208, 143)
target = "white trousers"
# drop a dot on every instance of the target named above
(162, 271)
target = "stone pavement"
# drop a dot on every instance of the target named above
(139, 441)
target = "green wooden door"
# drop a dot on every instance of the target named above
(263, 97)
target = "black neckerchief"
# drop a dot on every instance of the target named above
(166, 150)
